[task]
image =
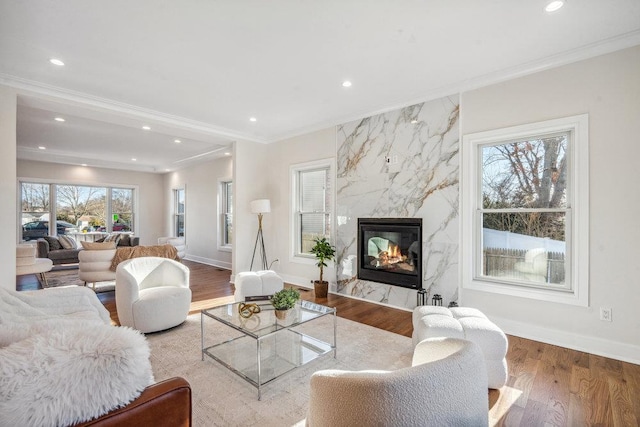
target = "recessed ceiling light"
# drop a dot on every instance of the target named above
(133, 159)
(84, 164)
(253, 119)
(346, 83)
(554, 5)
(146, 127)
(57, 62)
(227, 154)
(177, 141)
(42, 147)
(59, 119)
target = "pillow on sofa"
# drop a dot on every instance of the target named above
(113, 237)
(98, 246)
(67, 242)
(125, 240)
(72, 374)
(54, 243)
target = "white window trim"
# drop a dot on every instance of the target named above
(53, 201)
(221, 246)
(577, 248)
(293, 191)
(175, 212)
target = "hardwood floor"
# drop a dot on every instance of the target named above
(547, 385)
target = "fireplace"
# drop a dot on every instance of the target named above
(390, 251)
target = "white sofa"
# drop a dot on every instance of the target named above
(178, 242)
(445, 386)
(152, 293)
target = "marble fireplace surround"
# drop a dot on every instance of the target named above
(401, 164)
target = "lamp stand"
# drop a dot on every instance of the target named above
(263, 253)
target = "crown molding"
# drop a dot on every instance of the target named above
(56, 93)
(592, 50)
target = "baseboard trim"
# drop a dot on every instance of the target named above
(208, 261)
(598, 346)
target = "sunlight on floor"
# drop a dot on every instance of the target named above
(196, 306)
(507, 398)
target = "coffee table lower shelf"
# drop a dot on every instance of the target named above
(260, 361)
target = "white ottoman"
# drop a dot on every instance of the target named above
(466, 323)
(256, 283)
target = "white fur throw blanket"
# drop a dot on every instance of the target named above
(72, 367)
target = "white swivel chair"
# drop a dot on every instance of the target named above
(445, 386)
(152, 293)
(27, 263)
(178, 242)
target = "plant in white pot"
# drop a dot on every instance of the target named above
(324, 252)
(283, 301)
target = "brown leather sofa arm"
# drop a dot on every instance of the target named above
(164, 404)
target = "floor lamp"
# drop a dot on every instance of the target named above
(260, 207)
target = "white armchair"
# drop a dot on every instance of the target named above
(27, 263)
(152, 293)
(446, 386)
(95, 265)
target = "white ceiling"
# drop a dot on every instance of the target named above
(200, 69)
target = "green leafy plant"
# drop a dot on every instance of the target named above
(323, 252)
(285, 299)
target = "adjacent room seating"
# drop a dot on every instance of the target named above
(445, 386)
(95, 263)
(152, 293)
(178, 242)
(27, 263)
(59, 249)
(256, 283)
(470, 324)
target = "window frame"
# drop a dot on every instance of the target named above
(294, 172)
(577, 211)
(224, 209)
(176, 211)
(53, 201)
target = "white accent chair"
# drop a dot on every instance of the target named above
(469, 324)
(95, 265)
(445, 386)
(27, 263)
(178, 242)
(256, 283)
(535, 264)
(152, 293)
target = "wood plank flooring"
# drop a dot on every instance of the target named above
(547, 386)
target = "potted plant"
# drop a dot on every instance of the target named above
(283, 301)
(323, 252)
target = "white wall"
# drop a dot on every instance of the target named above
(280, 156)
(8, 103)
(251, 177)
(608, 89)
(148, 224)
(201, 200)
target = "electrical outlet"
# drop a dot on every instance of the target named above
(605, 314)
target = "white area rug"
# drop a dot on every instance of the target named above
(222, 398)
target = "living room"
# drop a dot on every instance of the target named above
(599, 80)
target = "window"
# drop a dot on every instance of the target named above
(76, 208)
(226, 214)
(525, 216)
(312, 205)
(179, 211)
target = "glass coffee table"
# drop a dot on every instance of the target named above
(267, 348)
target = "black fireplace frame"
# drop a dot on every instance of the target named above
(382, 276)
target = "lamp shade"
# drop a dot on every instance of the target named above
(260, 206)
